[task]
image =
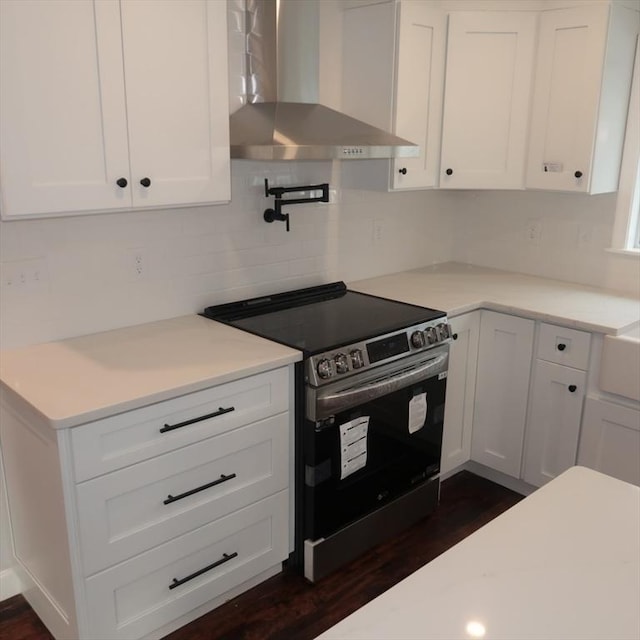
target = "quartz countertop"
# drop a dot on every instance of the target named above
(74, 381)
(562, 563)
(458, 288)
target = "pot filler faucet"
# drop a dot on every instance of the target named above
(270, 215)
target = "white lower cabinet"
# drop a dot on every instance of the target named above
(502, 388)
(610, 439)
(528, 411)
(131, 599)
(461, 385)
(135, 524)
(553, 424)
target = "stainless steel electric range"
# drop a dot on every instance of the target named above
(370, 396)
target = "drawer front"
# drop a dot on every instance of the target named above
(135, 597)
(131, 510)
(569, 347)
(112, 443)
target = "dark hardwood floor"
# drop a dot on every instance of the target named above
(286, 607)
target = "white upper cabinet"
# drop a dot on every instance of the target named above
(487, 96)
(393, 78)
(418, 93)
(99, 99)
(582, 85)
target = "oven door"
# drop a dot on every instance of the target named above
(371, 440)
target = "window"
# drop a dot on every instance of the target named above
(626, 230)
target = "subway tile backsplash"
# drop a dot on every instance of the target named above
(99, 272)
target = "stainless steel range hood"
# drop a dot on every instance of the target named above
(281, 118)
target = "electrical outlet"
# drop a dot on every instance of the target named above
(378, 231)
(533, 231)
(24, 276)
(585, 236)
(136, 264)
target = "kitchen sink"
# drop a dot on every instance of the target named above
(620, 365)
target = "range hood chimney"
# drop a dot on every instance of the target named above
(282, 119)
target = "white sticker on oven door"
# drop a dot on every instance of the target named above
(353, 445)
(417, 412)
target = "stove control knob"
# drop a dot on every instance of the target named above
(342, 363)
(324, 369)
(443, 331)
(432, 335)
(417, 339)
(357, 361)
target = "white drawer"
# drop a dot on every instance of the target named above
(134, 598)
(569, 347)
(112, 443)
(133, 509)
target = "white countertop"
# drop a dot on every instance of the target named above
(458, 288)
(81, 379)
(562, 564)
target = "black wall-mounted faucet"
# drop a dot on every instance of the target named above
(270, 215)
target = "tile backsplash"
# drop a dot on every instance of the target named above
(69, 276)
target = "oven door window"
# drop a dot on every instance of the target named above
(347, 477)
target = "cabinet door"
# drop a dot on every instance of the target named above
(461, 386)
(175, 57)
(418, 92)
(62, 108)
(486, 104)
(610, 440)
(553, 426)
(583, 78)
(504, 362)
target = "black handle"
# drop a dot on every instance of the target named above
(186, 494)
(561, 347)
(578, 174)
(225, 558)
(403, 171)
(572, 388)
(219, 412)
(449, 172)
(145, 182)
(454, 336)
(122, 182)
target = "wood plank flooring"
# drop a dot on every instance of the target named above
(286, 607)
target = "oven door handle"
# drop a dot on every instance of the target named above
(335, 402)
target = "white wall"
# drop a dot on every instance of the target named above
(492, 229)
(194, 257)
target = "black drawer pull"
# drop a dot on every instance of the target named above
(561, 346)
(186, 494)
(225, 558)
(219, 412)
(572, 388)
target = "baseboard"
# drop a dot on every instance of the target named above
(9, 584)
(519, 486)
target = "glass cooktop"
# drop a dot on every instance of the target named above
(320, 318)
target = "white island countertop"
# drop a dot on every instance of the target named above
(74, 381)
(562, 564)
(458, 288)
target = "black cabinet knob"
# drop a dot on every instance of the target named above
(403, 171)
(572, 388)
(454, 336)
(561, 346)
(122, 182)
(449, 172)
(145, 182)
(578, 174)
